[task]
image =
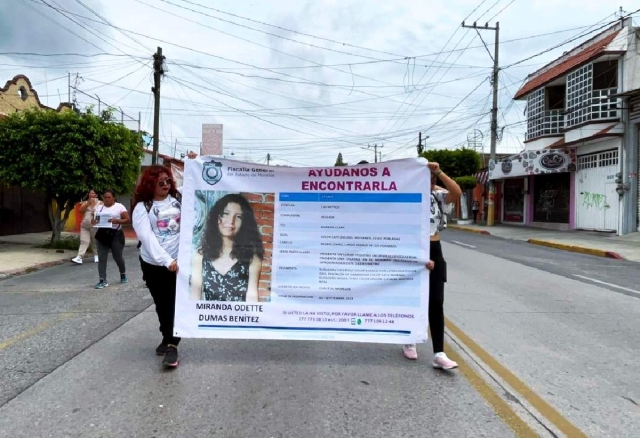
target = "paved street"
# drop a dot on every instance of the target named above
(80, 362)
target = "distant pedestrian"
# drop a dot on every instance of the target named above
(156, 221)
(110, 239)
(475, 208)
(440, 201)
(87, 230)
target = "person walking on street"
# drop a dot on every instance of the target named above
(156, 221)
(475, 208)
(110, 238)
(87, 230)
(437, 266)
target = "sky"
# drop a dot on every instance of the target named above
(298, 81)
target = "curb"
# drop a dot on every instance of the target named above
(469, 229)
(578, 249)
(30, 269)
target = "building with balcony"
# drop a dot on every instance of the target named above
(579, 167)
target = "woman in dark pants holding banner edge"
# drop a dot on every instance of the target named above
(156, 221)
(440, 199)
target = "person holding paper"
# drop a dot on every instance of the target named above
(440, 206)
(227, 266)
(88, 231)
(109, 219)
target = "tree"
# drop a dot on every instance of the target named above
(67, 154)
(455, 163)
(339, 161)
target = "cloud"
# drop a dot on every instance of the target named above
(45, 31)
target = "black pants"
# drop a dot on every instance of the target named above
(116, 247)
(475, 215)
(162, 287)
(437, 279)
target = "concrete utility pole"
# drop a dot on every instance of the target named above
(494, 112)
(375, 151)
(158, 71)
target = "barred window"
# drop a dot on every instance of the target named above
(579, 87)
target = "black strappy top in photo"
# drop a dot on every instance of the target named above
(231, 286)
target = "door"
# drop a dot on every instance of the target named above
(597, 202)
(513, 201)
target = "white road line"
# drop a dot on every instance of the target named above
(463, 244)
(608, 284)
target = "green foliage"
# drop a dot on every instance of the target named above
(67, 154)
(466, 182)
(68, 242)
(340, 161)
(455, 163)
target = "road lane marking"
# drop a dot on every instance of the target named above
(463, 244)
(548, 411)
(497, 403)
(608, 284)
(35, 330)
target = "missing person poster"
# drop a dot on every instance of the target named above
(334, 253)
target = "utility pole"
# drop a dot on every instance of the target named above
(175, 147)
(268, 159)
(494, 113)
(375, 151)
(69, 87)
(158, 71)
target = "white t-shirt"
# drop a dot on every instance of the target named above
(439, 210)
(158, 230)
(114, 212)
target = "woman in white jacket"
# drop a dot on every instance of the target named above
(156, 221)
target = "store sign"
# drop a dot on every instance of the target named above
(533, 163)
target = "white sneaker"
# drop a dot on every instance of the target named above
(95, 259)
(442, 362)
(77, 259)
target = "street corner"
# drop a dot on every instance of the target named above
(577, 248)
(470, 229)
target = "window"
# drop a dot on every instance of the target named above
(23, 93)
(605, 75)
(535, 113)
(579, 86)
(556, 96)
(599, 159)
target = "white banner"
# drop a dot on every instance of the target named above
(333, 253)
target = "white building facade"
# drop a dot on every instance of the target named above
(579, 169)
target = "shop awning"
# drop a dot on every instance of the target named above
(482, 176)
(533, 163)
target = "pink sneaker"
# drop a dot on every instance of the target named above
(410, 352)
(442, 362)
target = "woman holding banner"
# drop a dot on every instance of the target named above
(156, 221)
(440, 201)
(227, 266)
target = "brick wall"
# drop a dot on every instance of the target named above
(263, 208)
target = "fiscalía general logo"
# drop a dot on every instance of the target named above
(212, 172)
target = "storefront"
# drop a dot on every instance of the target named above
(536, 187)
(513, 201)
(552, 198)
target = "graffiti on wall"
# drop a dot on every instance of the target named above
(597, 201)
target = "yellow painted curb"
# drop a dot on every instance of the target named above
(576, 248)
(469, 229)
(550, 413)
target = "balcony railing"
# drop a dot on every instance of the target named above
(603, 106)
(548, 123)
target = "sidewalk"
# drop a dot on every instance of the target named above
(22, 253)
(585, 242)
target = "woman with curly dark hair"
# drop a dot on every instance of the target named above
(227, 266)
(156, 221)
